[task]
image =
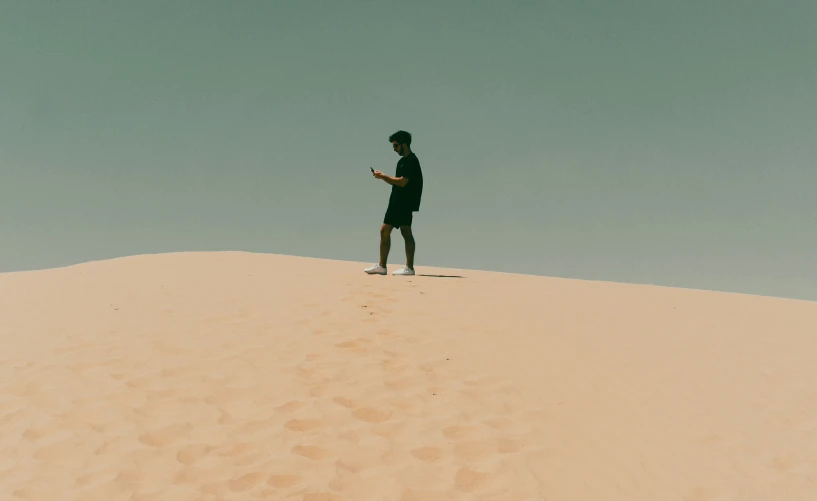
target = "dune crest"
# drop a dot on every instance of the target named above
(231, 376)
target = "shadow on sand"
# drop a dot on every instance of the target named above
(440, 276)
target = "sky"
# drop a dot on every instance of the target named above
(667, 143)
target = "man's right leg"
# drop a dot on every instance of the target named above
(385, 243)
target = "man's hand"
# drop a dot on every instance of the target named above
(400, 182)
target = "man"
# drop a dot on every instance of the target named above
(406, 192)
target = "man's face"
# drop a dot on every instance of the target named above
(399, 148)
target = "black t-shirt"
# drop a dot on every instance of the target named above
(409, 196)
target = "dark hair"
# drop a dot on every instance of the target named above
(401, 136)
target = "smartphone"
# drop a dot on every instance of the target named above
(371, 169)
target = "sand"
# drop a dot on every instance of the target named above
(239, 376)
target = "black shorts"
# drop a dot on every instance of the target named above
(398, 216)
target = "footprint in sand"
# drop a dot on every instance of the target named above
(290, 407)
(388, 430)
(246, 482)
(82, 367)
(393, 365)
(63, 452)
(428, 454)
(317, 390)
(249, 459)
(242, 454)
(703, 494)
(372, 415)
(507, 446)
(412, 404)
(159, 395)
(192, 475)
(176, 372)
(303, 425)
(189, 454)
(312, 452)
(470, 480)
(162, 437)
(38, 492)
(322, 496)
(786, 463)
(283, 481)
(386, 334)
(472, 450)
(77, 345)
(360, 346)
(360, 457)
(401, 384)
(259, 425)
(345, 402)
(239, 449)
(457, 432)
(424, 495)
(35, 433)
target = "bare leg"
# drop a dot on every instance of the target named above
(409, 238)
(385, 243)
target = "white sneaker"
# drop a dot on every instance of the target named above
(376, 270)
(405, 270)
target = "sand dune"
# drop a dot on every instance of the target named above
(236, 376)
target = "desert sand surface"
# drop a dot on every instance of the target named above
(240, 376)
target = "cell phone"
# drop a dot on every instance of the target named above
(371, 169)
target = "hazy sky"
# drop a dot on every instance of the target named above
(672, 143)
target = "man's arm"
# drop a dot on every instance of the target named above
(400, 182)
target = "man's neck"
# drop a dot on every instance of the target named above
(408, 152)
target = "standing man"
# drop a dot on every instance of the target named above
(406, 192)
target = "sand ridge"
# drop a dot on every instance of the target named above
(218, 376)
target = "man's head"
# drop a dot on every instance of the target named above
(401, 142)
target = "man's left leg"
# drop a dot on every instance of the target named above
(405, 230)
